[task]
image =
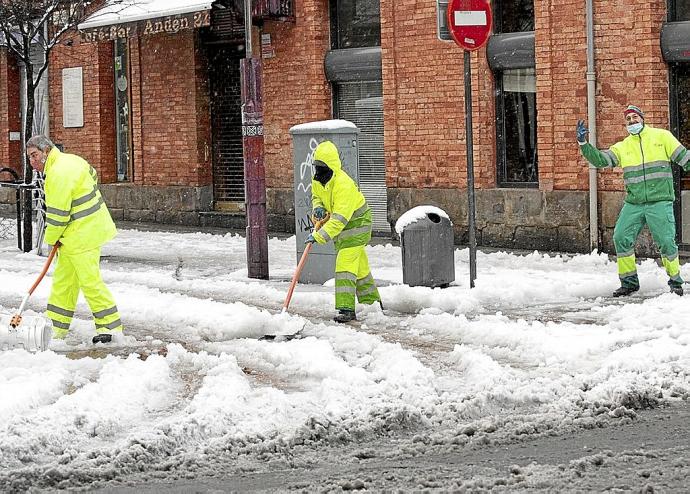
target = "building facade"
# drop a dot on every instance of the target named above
(161, 109)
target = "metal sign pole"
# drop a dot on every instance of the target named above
(469, 22)
(471, 213)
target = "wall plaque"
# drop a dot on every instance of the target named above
(72, 97)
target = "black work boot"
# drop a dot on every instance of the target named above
(345, 315)
(677, 289)
(102, 338)
(624, 291)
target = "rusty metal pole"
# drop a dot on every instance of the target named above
(253, 151)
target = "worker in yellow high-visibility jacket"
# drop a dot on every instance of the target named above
(646, 156)
(79, 223)
(335, 194)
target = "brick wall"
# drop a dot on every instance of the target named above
(295, 89)
(169, 111)
(4, 125)
(423, 91)
(424, 95)
(10, 120)
(170, 122)
(95, 141)
(629, 70)
(204, 163)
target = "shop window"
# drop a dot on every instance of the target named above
(355, 23)
(123, 128)
(679, 10)
(513, 16)
(516, 128)
(516, 102)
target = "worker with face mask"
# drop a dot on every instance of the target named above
(335, 196)
(645, 156)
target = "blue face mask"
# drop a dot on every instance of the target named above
(635, 128)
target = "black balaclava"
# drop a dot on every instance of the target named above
(322, 173)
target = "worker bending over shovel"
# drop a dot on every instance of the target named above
(349, 226)
(79, 223)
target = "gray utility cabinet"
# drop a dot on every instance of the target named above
(428, 252)
(320, 265)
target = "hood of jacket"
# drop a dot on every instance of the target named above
(328, 153)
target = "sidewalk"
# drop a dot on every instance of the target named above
(214, 230)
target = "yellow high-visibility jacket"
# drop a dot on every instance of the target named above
(75, 212)
(349, 224)
(646, 161)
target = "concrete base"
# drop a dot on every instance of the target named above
(523, 218)
(175, 205)
(506, 218)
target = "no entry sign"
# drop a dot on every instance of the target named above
(469, 22)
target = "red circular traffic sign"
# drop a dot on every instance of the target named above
(469, 22)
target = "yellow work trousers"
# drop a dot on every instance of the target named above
(75, 272)
(353, 277)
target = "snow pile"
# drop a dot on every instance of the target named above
(536, 346)
(417, 213)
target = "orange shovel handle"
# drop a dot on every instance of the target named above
(17, 318)
(300, 265)
(45, 268)
(295, 277)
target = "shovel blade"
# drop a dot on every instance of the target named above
(33, 333)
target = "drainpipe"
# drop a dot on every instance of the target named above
(592, 122)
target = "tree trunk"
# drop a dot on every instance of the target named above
(27, 206)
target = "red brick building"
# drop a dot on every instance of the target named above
(162, 122)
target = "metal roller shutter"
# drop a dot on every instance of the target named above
(226, 124)
(362, 104)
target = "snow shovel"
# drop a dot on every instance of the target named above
(31, 333)
(293, 283)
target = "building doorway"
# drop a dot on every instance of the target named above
(226, 126)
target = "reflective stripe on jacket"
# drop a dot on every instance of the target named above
(350, 222)
(75, 212)
(646, 161)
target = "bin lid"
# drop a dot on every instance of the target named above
(325, 126)
(431, 213)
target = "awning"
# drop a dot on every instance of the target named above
(125, 18)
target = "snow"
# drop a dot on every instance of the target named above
(537, 344)
(321, 125)
(415, 214)
(121, 11)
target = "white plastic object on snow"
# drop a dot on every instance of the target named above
(33, 334)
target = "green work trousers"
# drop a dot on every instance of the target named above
(658, 216)
(353, 277)
(75, 272)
